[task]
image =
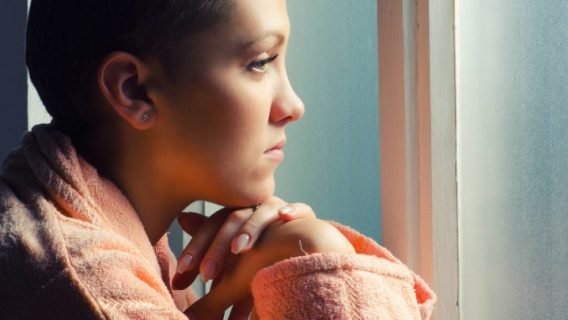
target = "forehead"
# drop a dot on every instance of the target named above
(267, 14)
(253, 27)
(253, 21)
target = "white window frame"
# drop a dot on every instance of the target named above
(418, 142)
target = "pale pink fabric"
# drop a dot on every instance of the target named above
(72, 247)
(371, 284)
(75, 236)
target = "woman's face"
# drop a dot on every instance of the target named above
(218, 124)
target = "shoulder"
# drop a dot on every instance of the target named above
(46, 256)
(28, 237)
(34, 270)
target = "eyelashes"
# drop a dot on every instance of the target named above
(259, 66)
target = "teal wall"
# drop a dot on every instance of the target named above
(332, 155)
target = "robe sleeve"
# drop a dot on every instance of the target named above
(368, 284)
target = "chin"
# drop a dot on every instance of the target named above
(250, 196)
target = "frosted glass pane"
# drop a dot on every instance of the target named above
(513, 158)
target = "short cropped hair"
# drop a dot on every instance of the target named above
(67, 40)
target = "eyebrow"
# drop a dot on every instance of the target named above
(270, 34)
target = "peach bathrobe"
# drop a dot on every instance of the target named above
(72, 247)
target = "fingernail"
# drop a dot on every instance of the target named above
(240, 243)
(209, 270)
(184, 263)
(286, 210)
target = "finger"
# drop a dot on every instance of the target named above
(242, 309)
(196, 249)
(218, 251)
(212, 305)
(296, 211)
(264, 216)
(191, 221)
(220, 276)
(214, 285)
(254, 315)
(181, 281)
(192, 316)
(216, 281)
(251, 230)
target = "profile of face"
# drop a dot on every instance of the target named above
(221, 124)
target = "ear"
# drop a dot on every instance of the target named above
(121, 81)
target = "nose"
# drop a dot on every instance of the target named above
(287, 106)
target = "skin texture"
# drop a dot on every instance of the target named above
(205, 136)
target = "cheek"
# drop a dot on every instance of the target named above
(228, 131)
(222, 130)
(236, 119)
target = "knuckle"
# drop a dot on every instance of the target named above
(193, 247)
(281, 203)
(305, 209)
(219, 216)
(196, 252)
(211, 256)
(218, 248)
(240, 216)
(277, 199)
(252, 225)
(303, 206)
(190, 249)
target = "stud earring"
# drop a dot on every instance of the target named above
(145, 116)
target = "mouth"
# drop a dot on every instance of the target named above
(277, 151)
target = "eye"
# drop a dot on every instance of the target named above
(260, 65)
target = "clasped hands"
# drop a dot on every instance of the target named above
(232, 245)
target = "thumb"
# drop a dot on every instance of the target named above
(242, 310)
(190, 222)
(212, 305)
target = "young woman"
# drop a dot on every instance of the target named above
(157, 104)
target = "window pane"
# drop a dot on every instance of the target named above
(12, 75)
(513, 158)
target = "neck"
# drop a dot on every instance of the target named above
(131, 169)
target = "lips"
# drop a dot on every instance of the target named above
(278, 146)
(276, 150)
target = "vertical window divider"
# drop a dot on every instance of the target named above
(417, 98)
(445, 213)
